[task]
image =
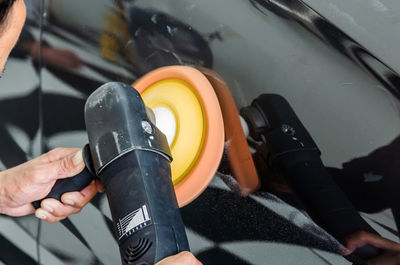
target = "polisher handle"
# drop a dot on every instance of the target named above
(75, 183)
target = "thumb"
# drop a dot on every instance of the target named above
(68, 166)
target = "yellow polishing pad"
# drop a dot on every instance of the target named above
(182, 101)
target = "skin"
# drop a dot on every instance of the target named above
(10, 30)
(183, 258)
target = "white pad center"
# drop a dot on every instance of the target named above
(165, 122)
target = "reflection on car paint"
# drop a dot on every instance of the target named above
(133, 40)
(327, 32)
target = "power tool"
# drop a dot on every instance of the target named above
(131, 157)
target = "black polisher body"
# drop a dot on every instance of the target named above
(132, 159)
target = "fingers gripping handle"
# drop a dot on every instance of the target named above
(75, 183)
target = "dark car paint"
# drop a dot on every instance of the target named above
(219, 215)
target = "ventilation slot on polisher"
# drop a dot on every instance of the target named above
(133, 253)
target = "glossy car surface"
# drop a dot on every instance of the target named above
(335, 63)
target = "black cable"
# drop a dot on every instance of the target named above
(39, 228)
(41, 15)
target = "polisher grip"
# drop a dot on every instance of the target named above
(75, 183)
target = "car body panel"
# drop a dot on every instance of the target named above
(257, 47)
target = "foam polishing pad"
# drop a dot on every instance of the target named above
(187, 111)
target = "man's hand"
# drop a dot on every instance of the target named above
(390, 256)
(183, 258)
(33, 180)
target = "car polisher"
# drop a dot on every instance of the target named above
(131, 157)
(128, 151)
(290, 151)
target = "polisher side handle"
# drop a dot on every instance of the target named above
(75, 183)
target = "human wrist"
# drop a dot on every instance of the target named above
(2, 192)
(5, 191)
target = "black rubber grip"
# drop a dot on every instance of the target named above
(75, 183)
